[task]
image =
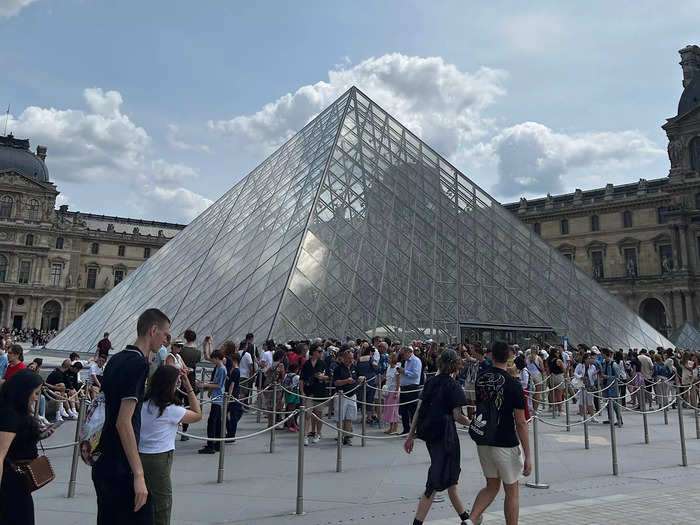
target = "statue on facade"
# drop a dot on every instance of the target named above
(106, 283)
(666, 264)
(631, 268)
(80, 280)
(675, 152)
(69, 281)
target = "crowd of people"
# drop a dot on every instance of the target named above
(151, 391)
(25, 335)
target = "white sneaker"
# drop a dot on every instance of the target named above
(63, 413)
(73, 412)
(59, 417)
(316, 439)
(595, 420)
(43, 421)
(306, 441)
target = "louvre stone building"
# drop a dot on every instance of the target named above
(56, 263)
(640, 241)
(356, 227)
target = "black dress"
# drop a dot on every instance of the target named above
(16, 504)
(444, 394)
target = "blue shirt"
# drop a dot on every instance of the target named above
(411, 375)
(219, 379)
(3, 364)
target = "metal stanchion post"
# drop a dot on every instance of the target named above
(300, 463)
(76, 448)
(697, 424)
(201, 390)
(364, 411)
(537, 484)
(258, 382)
(339, 458)
(379, 401)
(643, 402)
(665, 390)
(222, 444)
(274, 417)
(586, 439)
(566, 405)
(613, 440)
(681, 429)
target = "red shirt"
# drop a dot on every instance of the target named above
(11, 369)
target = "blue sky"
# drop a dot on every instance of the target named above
(153, 109)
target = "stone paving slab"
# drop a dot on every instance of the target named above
(380, 483)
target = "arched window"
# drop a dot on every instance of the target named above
(595, 223)
(694, 148)
(59, 243)
(5, 207)
(627, 219)
(564, 226)
(94, 248)
(3, 268)
(33, 209)
(29, 240)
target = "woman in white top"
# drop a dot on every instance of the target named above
(585, 376)
(174, 358)
(535, 366)
(391, 406)
(160, 417)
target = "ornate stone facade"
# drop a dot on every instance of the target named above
(55, 263)
(641, 240)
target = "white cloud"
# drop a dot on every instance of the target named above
(103, 143)
(430, 96)
(9, 8)
(179, 203)
(533, 159)
(176, 142)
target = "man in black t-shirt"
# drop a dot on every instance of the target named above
(313, 383)
(501, 460)
(118, 475)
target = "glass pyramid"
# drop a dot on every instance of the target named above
(687, 337)
(356, 227)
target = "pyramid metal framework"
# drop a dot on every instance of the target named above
(687, 337)
(354, 227)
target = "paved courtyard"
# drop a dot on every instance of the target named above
(380, 483)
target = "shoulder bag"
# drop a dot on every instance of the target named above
(35, 472)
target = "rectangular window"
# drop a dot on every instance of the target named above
(146, 252)
(666, 258)
(55, 277)
(598, 267)
(118, 276)
(25, 267)
(661, 215)
(630, 262)
(92, 278)
(5, 207)
(538, 228)
(627, 219)
(121, 251)
(564, 227)
(595, 223)
(568, 256)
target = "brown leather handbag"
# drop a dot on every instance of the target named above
(35, 472)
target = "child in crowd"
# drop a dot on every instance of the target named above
(216, 392)
(291, 395)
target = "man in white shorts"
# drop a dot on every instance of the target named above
(502, 461)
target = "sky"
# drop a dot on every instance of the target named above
(154, 109)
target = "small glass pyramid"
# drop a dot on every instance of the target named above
(355, 227)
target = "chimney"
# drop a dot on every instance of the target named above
(690, 62)
(41, 152)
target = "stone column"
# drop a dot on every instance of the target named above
(8, 313)
(689, 307)
(684, 246)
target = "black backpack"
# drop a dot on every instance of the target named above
(431, 421)
(485, 422)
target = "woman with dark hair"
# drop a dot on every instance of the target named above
(367, 367)
(160, 416)
(19, 434)
(441, 401)
(556, 370)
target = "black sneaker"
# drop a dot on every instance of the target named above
(184, 438)
(206, 450)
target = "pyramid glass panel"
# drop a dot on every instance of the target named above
(356, 227)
